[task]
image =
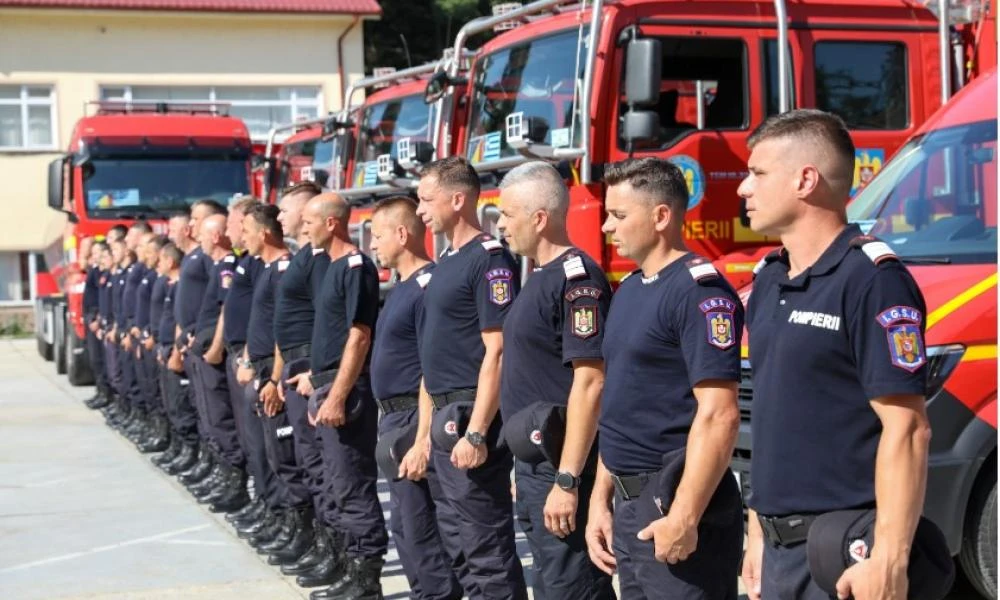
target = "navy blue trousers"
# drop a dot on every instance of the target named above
(218, 416)
(562, 569)
(251, 438)
(95, 354)
(785, 574)
(413, 521)
(179, 403)
(351, 477)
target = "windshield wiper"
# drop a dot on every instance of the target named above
(138, 212)
(925, 260)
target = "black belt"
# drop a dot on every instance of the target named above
(629, 487)
(322, 378)
(234, 349)
(262, 364)
(397, 404)
(443, 400)
(303, 351)
(786, 531)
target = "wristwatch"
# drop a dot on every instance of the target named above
(475, 438)
(567, 481)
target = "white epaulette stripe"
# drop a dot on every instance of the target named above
(492, 245)
(354, 260)
(282, 265)
(876, 251)
(241, 270)
(760, 266)
(703, 270)
(229, 259)
(423, 279)
(317, 251)
(574, 268)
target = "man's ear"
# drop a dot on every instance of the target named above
(662, 217)
(807, 180)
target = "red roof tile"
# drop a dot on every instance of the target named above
(364, 7)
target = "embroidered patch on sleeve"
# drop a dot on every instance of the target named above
(906, 343)
(499, 282)
(582, 292)
(584, 321)
(227, 279)
(719, 320)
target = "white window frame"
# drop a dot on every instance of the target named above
(299, 108)
(24, 101)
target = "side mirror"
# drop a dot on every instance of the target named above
(640, 126)
(57, 171)
(643, 68)
(438, 84)
(915, 211)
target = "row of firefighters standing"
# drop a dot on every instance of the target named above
(278, 362)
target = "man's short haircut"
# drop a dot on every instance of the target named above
(657, 180)
(173, 253)
(549, 191)
(117, 233)
(404, 209)
(214, 208)
(100, 246)
(823, 129)
(159, 241)
(308, 189)
(333, 205)
(142, 225)
(242, 203)
(266, 215)
(454, 173)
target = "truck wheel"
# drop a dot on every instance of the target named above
(44, 349)
(59, 339)
(77, 362)
(43, 322)
(978, 556)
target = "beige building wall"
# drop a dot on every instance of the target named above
(78, 52)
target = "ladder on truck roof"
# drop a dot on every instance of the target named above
(122, 107)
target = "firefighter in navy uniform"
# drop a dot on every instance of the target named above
(342, 408)
(398, 242)
(461, 347)
(137, 430)
(552, 357)
(158, 432)
(836, 328)
(121, 260)
(92, 315)
(286, 492)
(669, 416)
(151, 347)
(225, 488)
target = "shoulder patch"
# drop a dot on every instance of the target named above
(702, 270)
(355, 260)
(500, 286)
(875, 249)
(229, 259)
(492, 246)
(582, 292)
(226, 279)
(719, 320)
(423, 279)
(282, 265)
(573, 266)
(906, 343)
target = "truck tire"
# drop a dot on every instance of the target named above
(978, 555)
(59, 338)
(44, 349)
(43, 319)
(77, 362)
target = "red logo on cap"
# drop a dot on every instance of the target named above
(536, 437)
(858, 550)
(451, 428)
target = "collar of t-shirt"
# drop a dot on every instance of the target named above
(827, 261)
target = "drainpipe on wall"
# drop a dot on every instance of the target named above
(340, 55)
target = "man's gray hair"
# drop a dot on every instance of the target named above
(549, 190)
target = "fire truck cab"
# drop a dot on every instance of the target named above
(584, 85)
(130, 161)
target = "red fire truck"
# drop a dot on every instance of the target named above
(131, 161)
(584, 85)
(935, 203)
(315, 151)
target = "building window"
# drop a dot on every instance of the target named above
(863, 82)
(261, 108)
(27, 117)
(15, 283)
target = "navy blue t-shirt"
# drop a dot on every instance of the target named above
(168, 321)
(133, 278)
(195, 270)
(118, 278)
(471, 291)
(664, 335)
(157, 300)
(104, 285)
(395, 357)
(219, 282)
(143, 297)
(260, 329)
(558, 317)
(823, 344)
(91, 292)
(294, 312)
(237, 307)
(349, 296)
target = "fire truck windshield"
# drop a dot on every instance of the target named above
(936, 201)
(114, 188)
(385, 123)
(537, 77)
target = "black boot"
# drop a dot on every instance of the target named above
(137, 427)
(201, 469)
(159, 435)
(360, 582)
(185, 459)
(269, 531)
(173, 449)
(215, 479)
(235, 494)
(99, 400)
(300, 543)
(248, 513)
(332, 569)
(296, 521)
(249, 529)
(318, 553)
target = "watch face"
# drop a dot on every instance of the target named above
(566, 481)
